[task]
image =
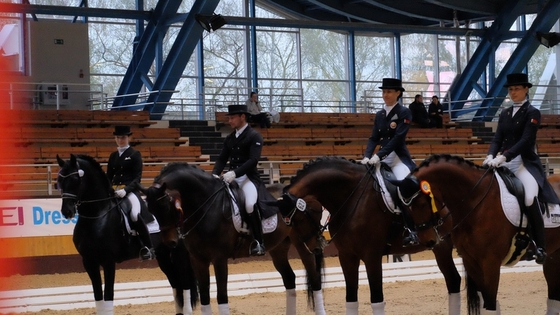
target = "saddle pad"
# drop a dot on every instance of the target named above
(153, 227)
(268, 225)
(384, 192)
(513, 213)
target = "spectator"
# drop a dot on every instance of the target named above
(255, 111)
(436, 113)
(419, 112)
(514, 147)
(124, 170)
(389, 132)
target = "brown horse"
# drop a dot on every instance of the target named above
(191, 204)
(450, 195)
(361, 226)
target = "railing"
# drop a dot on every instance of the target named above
(270, 172)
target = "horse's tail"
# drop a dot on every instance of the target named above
(319, 264)
(473, 299)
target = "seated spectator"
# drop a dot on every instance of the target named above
(436, 113)
(255, 111)
(419, 112)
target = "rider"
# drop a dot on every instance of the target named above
(514, 147)
(389, 132)
(243, 150)
(124, 170)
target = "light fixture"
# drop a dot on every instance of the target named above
(548, 39)
(210, 22)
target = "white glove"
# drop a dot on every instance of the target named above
(229, 177)
(215, 176)
(497, 161)
(120, 193)
(488, 158)
(374, 160)
(365, 160)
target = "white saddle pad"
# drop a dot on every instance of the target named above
(513, 213)
(268, 225)
(384, 192)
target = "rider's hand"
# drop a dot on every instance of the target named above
(497, 161)
(120, 193)
(374, 159)
(487, 160)
(365, 160)
(229, 177)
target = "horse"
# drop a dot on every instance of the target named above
(190, 203)
(361, 226)
(100, 236)
(452, 196)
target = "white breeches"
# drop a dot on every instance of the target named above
(250, 192)
(529, 183)
(399, 168)
(135, 211)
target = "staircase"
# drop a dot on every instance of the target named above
(200, 133)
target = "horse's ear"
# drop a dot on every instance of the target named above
(60, 161)
(72, 159)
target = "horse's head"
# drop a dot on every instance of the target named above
(81, 180)
(304, 217)
(165, 205)
(68, 183)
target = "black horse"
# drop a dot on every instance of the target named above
(188, 202)
(101, 238)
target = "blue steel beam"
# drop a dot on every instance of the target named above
(145, 51)
(478, 62)
(519, 59)
(188, 37)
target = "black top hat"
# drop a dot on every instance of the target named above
(390, 83)
(237, 109)
(518, 79)
(122, 131)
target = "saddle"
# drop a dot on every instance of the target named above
(388, 189)
(239, 213)
(513, 184)
(125, 207)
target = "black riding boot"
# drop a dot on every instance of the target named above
(534, 216)
(256, 227)
(411, 239)
(147, 250)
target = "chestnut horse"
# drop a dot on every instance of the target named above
(450, 195)
(361, 226)
(190, 203)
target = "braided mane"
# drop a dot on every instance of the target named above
(174, 167)
(318, 162)
(448, 158)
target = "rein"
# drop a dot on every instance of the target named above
(80, 202)
(211, 197)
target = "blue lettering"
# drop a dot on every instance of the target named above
(37, 215)
(56, 215)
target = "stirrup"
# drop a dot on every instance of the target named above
(147, 253)
(258, 250)
(411, 239)
(540, 255)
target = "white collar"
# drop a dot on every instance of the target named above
(122, 149)
(390, 108)
(240, 130)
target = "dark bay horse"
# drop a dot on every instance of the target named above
(102, 241)
(361, 226)
(453, 196)
(190, 203)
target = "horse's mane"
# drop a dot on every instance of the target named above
(312, 164)
(173, 167)
(448, 158)
(94, 164)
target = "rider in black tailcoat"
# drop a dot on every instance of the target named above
(514, 147)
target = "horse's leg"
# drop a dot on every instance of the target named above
(444, 257)
(552, 276)
(221, 274)
(373, 264)
(109, 276)
(92, 269)
(313, 264)
(170, 267)
(202, 272)
(279, 255)
(350, 264)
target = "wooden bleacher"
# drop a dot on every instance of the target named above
(36, 137)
